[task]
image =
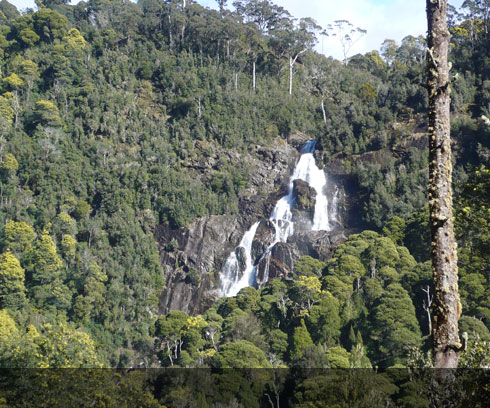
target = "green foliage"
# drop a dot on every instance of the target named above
(477, 354)
(472, 221)
(308, 266)
(395, 230)
(47, 265)
(13, 81)
(323, 320)
(345, 388)
(54, 346)
(117, 116)
(300, 341)
(8, 327)
(338, 357)
(240, 354)
(12, 289)
(395, 327)
(19, 237)
(6, 112)
(9, 163)
(46, 113)
(474, 327)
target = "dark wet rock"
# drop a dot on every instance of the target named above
(298, 140)
(282, 252)
(304, 206)
(206, 243)
(270, 169)
(262, 271)
(241, 256)
(203, 246)
(305, 196)
(318, 244)
(264, 237)
(277, 264)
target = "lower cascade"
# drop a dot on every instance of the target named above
(239, 269)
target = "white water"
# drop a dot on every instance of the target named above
(231, 281)
(282, 219)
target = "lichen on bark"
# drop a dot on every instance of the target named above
(447, 307)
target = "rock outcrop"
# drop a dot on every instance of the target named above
(205, 244)
(304, 206)
(264, 238)
(202, 246)
(193, 257)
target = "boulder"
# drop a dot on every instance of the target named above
(304, 206)
(305, 196)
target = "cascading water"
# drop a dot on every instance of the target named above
(334, 206)
(231, 281)
(306, 170)
(282, 219)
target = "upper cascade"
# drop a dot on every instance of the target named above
(239, 270)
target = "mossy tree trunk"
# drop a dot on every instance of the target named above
(446, 307)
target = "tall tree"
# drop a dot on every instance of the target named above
(293, 39)
(263, 13)
(447, 307)
(221, 5)
(347, 34)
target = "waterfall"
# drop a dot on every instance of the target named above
(282, 219)
(334, 207)
(231, 281)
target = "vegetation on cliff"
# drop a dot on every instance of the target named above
(106, 109)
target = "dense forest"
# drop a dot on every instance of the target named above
(104, 105)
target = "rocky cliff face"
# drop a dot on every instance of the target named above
(192, 257)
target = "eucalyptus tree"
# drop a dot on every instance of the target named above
(477, 15)
(347, 34)
(293, 39)
(221, 5)
(255, 46)
(447, 307)
(266, 15)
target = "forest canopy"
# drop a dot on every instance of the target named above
(107, 105)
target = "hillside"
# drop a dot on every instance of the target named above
(140, 141)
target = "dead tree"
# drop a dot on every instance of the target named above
(426, 305)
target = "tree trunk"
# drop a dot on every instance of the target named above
(426, 306)
(16, 108)
(217, 54)
(182, 34)
(292, 61)
(253, 76)
(170, 37)
(324, 113)
(447, 307)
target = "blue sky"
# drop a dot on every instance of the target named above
(382, 19)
